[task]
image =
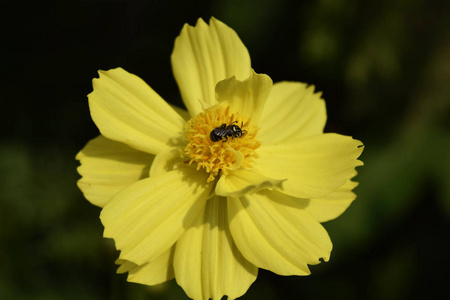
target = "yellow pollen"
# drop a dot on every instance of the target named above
(229, 153)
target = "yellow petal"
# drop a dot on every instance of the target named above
(182, 112)
(152, 273)
(107, 167)
(246, 97)
(313, 166)
(124, 266)
(146, 218)
(127, 110)
(207, 263)
(242, 181)
(166, 161)
(332, 205)
(273, 232)
(204, 55)
(292, 111)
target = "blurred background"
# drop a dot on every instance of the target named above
(384, 70)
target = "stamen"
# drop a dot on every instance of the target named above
(230, 151)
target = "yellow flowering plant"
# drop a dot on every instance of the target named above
(239, 181)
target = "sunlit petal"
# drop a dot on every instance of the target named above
(107, 167)
(273, 232)
(241, 182)
(127, 110)
(292, 111)
(246, 97)
(152, 273)
(146, 218)
(332, 205)
(313, 166)
(204, 55)
(207, 263)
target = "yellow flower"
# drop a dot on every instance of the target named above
(240, 182)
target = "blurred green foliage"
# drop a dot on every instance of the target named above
(383, 68)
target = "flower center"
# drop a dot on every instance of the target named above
(220, 141)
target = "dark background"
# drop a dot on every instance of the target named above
(383, 68)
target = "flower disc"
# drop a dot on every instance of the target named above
(228, 153)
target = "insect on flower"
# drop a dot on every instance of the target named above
(180, 203)
(225, 131)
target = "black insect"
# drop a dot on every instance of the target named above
(225, 131)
